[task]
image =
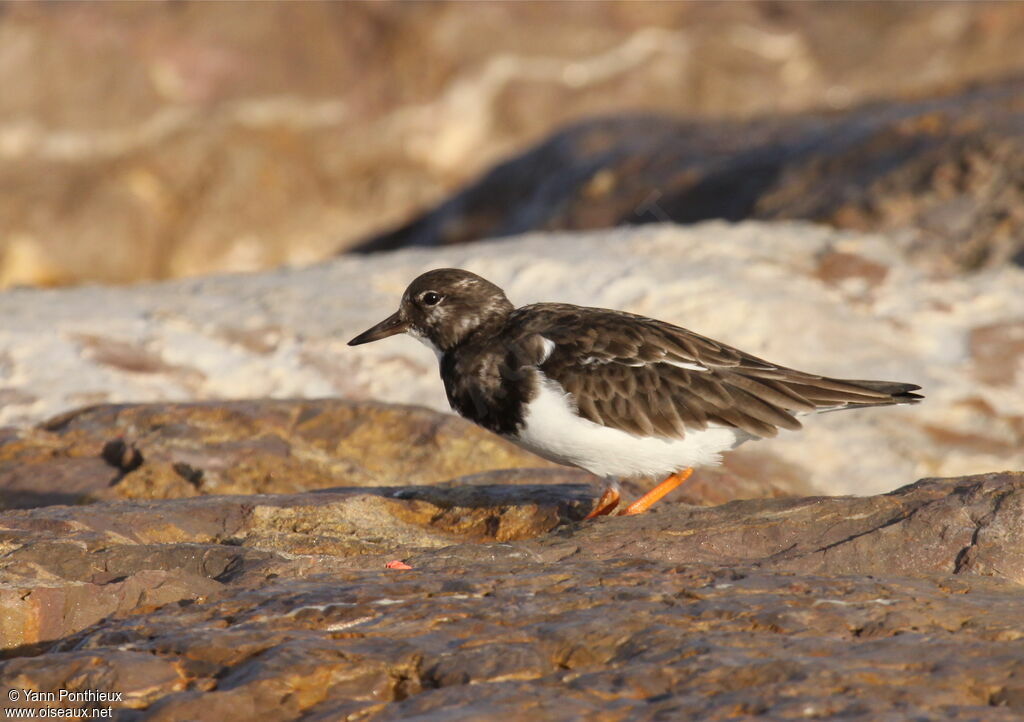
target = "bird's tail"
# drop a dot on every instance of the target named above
(885, 393)
(900, 393)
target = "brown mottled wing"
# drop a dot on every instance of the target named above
(652, 378)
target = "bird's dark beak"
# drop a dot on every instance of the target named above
(388, 327)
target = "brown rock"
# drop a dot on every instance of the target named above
(160, 451)
(943, 168)
(835, 267)
(65, 568)
(998, 352)
(38, 611)
(223, 143)
(889, 607)
(944, 526)
(148, 451)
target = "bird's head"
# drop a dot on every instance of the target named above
(442, 308)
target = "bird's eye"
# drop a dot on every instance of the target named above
(430, 298)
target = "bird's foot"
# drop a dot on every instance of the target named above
(648, 500)
(606, 504)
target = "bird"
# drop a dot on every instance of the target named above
(614, 393)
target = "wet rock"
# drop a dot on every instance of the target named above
(64, 568)
(968, 525)
(162, 451)
(153, 451)
(946, 170)
(901, 605)
(42, 610)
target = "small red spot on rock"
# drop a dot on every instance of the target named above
(396, 564)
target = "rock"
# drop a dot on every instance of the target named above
(934, 526)
(64, 568)
(840, 304)
(903, 605)
(42, 610)
(998, 352)
(164, 451)
(154, 451)
(943, 168)
(223, 144)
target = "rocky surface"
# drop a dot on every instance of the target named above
(176, 450)
(65, 568)
(900, 606)
(186, 521)
(165, 451)
(841, 304)
(145, 141)
(947, 170)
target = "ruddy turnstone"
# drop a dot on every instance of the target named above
(616, 394)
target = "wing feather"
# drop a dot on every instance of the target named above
(648, 377)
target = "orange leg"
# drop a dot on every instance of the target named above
(648, 500)
(606, 504)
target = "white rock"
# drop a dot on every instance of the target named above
(751, 285)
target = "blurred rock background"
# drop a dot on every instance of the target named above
(807, 296)
(159, 140)
(163, 140)
(203, 490)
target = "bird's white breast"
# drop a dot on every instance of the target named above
(552, 429)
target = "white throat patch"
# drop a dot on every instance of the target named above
(426, 342)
